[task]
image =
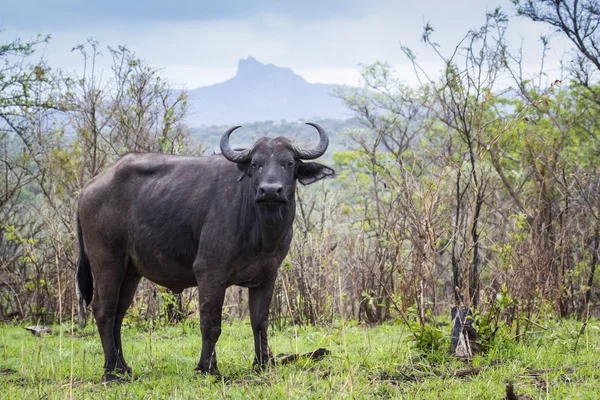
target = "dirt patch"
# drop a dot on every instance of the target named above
(420, 372)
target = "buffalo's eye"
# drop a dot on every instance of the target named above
(254, 165)
(290, 164)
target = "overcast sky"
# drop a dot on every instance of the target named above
(199, 42)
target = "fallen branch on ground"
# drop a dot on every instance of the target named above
(314, 355)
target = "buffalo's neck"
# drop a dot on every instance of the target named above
(274, 230)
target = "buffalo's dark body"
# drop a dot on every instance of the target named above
(189, 221)
(159, 212)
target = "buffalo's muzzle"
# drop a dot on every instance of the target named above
(270, 192)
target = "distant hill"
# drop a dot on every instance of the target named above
(263, 92)
(208, 137)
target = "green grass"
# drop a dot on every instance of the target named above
(366, 362)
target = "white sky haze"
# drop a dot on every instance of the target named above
(198, 43)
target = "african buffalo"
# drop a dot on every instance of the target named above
(209, 222)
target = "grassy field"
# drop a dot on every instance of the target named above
(366, 362)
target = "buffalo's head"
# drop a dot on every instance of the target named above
(274, 165)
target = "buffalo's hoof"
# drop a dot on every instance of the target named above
(261, 366)
(209, 371)
(112, 378)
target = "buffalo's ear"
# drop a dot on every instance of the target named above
(311, 172)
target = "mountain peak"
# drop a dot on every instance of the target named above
(252, 68)
(250, 63)
(261, 92)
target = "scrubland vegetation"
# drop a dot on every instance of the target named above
(478, 188)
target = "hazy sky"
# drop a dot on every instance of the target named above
(199, 42)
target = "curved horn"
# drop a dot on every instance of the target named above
(230, 154)
(311, 154)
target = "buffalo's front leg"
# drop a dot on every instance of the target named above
(211, 294)
(259, 301)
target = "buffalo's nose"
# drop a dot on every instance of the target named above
(270, 190)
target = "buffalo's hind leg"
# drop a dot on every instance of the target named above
(259, 301)
(128, 288)
(108, 278)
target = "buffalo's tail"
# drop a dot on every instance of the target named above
(85, 281)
